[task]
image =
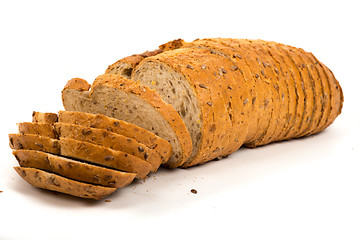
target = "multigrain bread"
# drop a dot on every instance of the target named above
(111, 140)
(126, 100)
(290, 93)
(84, 151)
(41, 117)
(42, 179)
(42, 129)
(73, 169)
(96, 136)
(286, 92)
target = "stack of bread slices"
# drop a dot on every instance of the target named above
(85, 155)
(196, 101)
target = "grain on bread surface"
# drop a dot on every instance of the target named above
(153, 98)
(120, 127)
(111, 140)
(49, 181)
(83, 151)
(73, 169)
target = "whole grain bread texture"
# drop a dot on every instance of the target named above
(136, 137)
(50, 181)
(83, 151)
(72, 169)
(285, 92)
(125, 100)
(96, 136)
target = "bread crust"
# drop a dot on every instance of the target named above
(120, 127)
(82, 150)
(53, 182)
(72, 169)
(111, 140)
(48, 118)
(42, 129)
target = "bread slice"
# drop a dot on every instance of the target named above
(125, 100)
(49, 181)
(42, 129)
(83, 151)
(72, 169)
(40, 117)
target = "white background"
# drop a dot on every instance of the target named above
(301, 189)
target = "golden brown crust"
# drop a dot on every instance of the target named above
(72, 169)
(231, 84)
(104, 156)
(49, 118)
(43, 129)
(111, 140)
(77, 83)
(82, 150)
(120, 127)
(130, 62)
(53, 182)
(34, 142)
(166, 110)
(172, 45)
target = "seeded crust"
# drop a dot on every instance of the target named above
(40, 117)
(197, 82)
(281, 84)
(42, 129)
(325, 96)
(72, 169)
(125, 66)
(306, 87)
(316, 86)
(336, 96)
(83, 151)
(247, 86)
(229, 77)
(272, 84)
(172, 45)
(53, 182)
(111, 140)
(265, 100)
(100, 137)
(120, 127)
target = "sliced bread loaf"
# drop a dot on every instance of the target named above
(72, 169)
(49, 181)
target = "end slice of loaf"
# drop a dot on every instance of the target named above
(49, 181)
(134, 103)
(72, 169)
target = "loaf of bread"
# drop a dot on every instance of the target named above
(228, 92)
(181, 105)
